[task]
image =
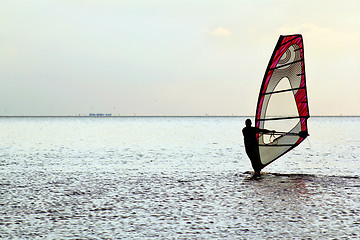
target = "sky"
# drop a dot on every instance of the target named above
(170, 57)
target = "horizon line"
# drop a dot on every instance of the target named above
(118, 116)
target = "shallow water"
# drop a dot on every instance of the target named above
(136, 178)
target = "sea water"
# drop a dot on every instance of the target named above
(173, 178)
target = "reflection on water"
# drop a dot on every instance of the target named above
(172, 178)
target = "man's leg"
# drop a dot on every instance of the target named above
(254, 155)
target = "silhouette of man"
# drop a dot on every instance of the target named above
(252, 145)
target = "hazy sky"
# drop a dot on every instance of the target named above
(170, 57)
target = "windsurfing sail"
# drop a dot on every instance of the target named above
(282, 104)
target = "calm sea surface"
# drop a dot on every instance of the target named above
(173, 178)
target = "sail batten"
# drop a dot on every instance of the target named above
(286, 64)
(283, 108)
(283, 145)
(280, 118)
(285, 90)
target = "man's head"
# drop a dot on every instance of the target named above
(248, 122)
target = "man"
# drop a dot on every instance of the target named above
(252, 145)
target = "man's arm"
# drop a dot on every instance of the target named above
(265, 130)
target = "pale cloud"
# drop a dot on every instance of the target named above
(291, 29)
(326, 39)
(221, 31)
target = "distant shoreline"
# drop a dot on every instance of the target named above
(154, 116)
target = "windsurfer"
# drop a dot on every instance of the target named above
(252, 145)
